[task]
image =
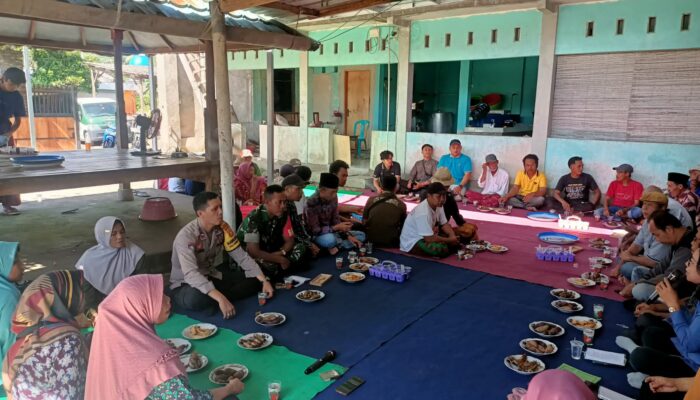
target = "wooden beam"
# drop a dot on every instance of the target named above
(347, 7)
(52, 44)
(228, 6)
(133, 41)
(32, 30)
(167, 42)
(271, 40)
(122, 128)
(294, 9)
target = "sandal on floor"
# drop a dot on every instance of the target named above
(10, 211)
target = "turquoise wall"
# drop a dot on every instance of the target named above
(529, 23)
(571, 27)
(437, 85)
(380, 106)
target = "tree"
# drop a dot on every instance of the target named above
(59, 69)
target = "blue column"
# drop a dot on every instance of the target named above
(463, 103)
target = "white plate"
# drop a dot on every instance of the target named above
(554, 292)
(532, 328)
(492, 248)
(284, 318)
(529, 358)
(597, 242)
(603, 278)
(580, 282)
(360, 267)
(346, 277)
(177, 342)
(185, 359)
(522, 346)
(310, 290)
(268, 341)
(601, 260)
(577, 305)
(235, 366)
(187, 331)
(369, 260)
(569, 320)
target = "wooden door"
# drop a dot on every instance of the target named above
(357, 95)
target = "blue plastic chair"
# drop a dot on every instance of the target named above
(363, 124)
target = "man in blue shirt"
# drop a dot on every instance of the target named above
(460, 167)
(11, 107)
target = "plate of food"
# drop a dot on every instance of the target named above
(496, 248)
(542, 216)
(581, 282)
(484, 208)
(194, 361)
(601, 278)
(309, 296)
(369, 260)
(478, 245)
(547, 329)
(502, 211)
(524, 364)
(270, 319)
(582, 323)
(352, 277)
(255, 341)
(598, 243)
(613, 224)
(181, 345)
(567, 306)
(360, 267)
(601, 260)
(557, 238)
(222, 374)
(538, 347)
(565, 294)
(199, 331)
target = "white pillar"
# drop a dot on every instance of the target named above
(270, 116)
(27, 58)
(223, 112)
(546, 73)
(304, 102)
(152, 91)
(404, 92)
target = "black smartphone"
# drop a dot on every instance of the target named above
(349, 385)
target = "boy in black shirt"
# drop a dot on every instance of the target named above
(11, 111)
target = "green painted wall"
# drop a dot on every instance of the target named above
(260, 94)
(360, 54)
(529, 23)
(571, 29)
(436, 84)
(507, 76)
(380, 106)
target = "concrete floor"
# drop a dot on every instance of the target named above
(51, 240)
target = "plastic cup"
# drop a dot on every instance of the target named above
(369, 247)
(262, 298)
(339, 262)
(363, 251)
(289, 282)
(588, 335)
(597, 217)
(598, 310)
(352, 257)
(576, 349)
(274, 389)
(460, 254)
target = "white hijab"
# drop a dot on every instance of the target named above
(103, 265)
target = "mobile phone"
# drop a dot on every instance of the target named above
(349, 386)
(357, 216)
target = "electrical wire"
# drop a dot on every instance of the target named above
(326, 38)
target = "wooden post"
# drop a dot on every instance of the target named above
(211, 141)
(152, 91)
(223, 111)
(122, 129)
(270, 116)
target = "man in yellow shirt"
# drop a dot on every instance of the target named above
(529, 187)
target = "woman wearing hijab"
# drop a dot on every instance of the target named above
(11, 271)
(555, 384)
(128, 360)
(249, 184)
(113, 259)
(49, 358)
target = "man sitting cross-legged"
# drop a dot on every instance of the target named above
(384, 215)
(426, 230)
(268, 236)
(529, 187)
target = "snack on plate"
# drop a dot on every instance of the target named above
(581, 282)
(484, 208)
(309, 295)
(538, 346)
(196, 361)
(352, 277)
(269, 318)
(497, 248)
(522, 364)
(546, 328)
(369, 260)
(320, 280)
(198, 332)
(223, 375)
(180, 348)
(587, 323)
(567, 306)
(253, 341)
(360, 266)
(566, 294)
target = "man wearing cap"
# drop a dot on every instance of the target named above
(427, 231)
(268, 235)
(694, 183)
(285, 171)
(384, 215)
(387, 167)
(460, 167)
(573, 191)
(678, 190)
(293, 187)
(323, 219)
(529, 187)
(423, 170)
(493, 182)
(622, 196)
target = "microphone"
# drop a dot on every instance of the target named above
(329, 356)
(672, 276)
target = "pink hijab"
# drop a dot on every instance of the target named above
(556, 384)
(127, 358)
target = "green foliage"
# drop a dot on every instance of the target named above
(60, 69)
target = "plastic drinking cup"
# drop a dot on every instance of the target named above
(576, 349)
(273, 390)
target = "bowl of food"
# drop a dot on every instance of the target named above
(352, 277)
(255, 341)
(199, 331)
(310, 296)
(546, 329)
(567, 306)
(524, 364)
(538, 347)
(194, 362)
(222, 374)
(270, 319)
(582, 323)
(565, 294)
